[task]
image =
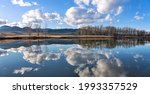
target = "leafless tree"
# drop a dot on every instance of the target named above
(29, 29)
(111, 31)
(38, 29)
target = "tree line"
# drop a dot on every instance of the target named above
(111, 31)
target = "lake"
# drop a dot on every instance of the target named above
(75, 58)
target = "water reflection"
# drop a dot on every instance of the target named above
(138, 57)
(90, 63)
(85, 58)
(34, 54)
(24, 70)
(86, 43)
(126, 43)
(3, 52)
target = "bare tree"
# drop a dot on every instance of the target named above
(29, 29)
(45, 29)
(111, 31)
(38, 29)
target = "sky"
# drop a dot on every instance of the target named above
(75, 13)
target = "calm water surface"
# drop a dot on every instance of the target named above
(74, 58)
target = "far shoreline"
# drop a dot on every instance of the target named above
(67, 37)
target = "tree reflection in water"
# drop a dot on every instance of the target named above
(112, 43)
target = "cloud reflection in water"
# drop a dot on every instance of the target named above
(94, 64)
(35, 55)
(3, 52)
(23, 70)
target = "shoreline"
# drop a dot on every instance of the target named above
(67, 37)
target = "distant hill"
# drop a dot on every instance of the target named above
(60, 31)
(5, 27)
(19, 30)
(14, 29)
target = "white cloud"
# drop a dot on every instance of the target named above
(94, 64)
(81, 3)
(53, 16)
(86, 2)
(119, 10)
(35, 3)
(19, 24)
(37, 16)
(33, 16)
(137, 17)
(81, 16)
(108, 18)
(22, 3)
(107, 6)
(3, 22)
(92, 11)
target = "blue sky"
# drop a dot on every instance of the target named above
(76, 13)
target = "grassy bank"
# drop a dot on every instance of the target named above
(25, 36)
(51, 36)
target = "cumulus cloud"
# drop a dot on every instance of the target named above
(81, 16)
(94, 64)
(22, 3)
(107, 6)
(3, 22)
(91, 11)
(37, 16)
(33, 16)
